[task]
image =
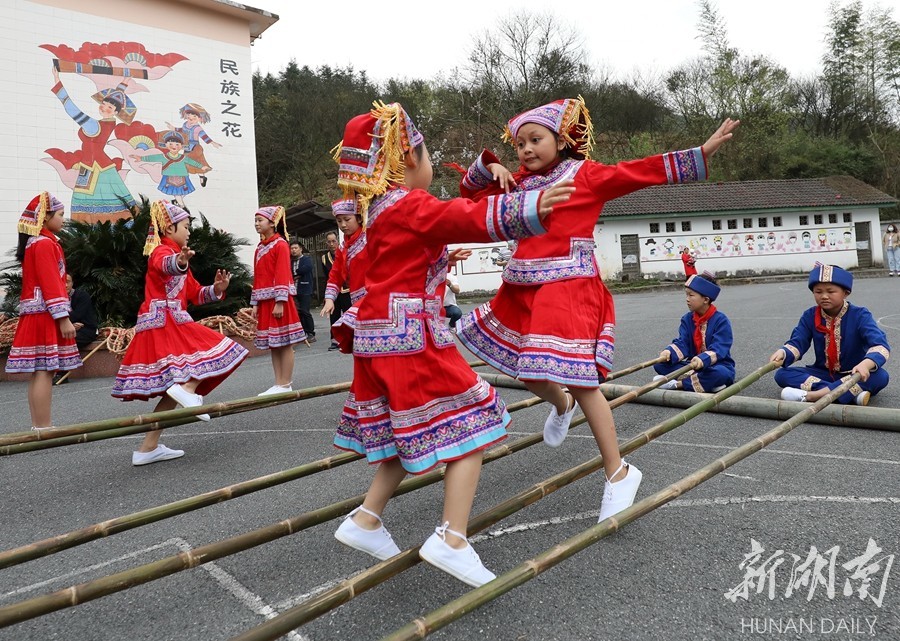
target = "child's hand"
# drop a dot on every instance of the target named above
(665, 356)
(327, 308)
(558, 193)
(458, 254)
(778, 356)
(278, 310)
(66, 328)
(502, 175)
(220, 284)
(697, 362)
(864, 369)
(185, 256)
(253, 311)
(722, 134)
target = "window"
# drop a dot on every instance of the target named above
(732, 223)
(804, 220)
(717, 225)
(848, 217)
(654, 228)
(776, 221)
(748, 223)
(670, 227)
(763, 222)
(817, 219)
(685, 225)
(832, 219)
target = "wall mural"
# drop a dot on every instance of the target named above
(735, 244)
(115, 142)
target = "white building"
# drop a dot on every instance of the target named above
(732, 228)
(181, 67)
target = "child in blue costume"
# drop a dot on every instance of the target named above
(846, 340)
(704, 339)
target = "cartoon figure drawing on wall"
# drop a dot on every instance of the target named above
(651, 247)
(848, 239)
(832, 239)
(116, 69)
(717, 241)
(96, 180)
(822, 239)
(771, 241)
(748, 241)
(175, 179)
(669, 246)
(807, 240)
(195, 116)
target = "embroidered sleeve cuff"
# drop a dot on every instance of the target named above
(708, 358)
(685, 166)
(208, 295)
(791, 354)
(676, 353)
(171, 267)
(58, 307)
(478, 177)
(283, 293)
(331, 292)
(514, 216)
(879, 355)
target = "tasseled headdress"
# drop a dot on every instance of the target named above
(162, 214)
(275, 214)
(370, 156)
(32, 219)
(568, 118)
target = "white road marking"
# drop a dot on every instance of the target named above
(228, 582)
(769, 450)
(881, 322)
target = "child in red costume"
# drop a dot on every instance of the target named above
(277, 321)
(415, 403)
(351, 262)
(170, 355)
(552, 322)
(45, 337)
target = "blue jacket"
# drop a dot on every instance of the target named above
(303, 274)
(859, 338)
(717, 341)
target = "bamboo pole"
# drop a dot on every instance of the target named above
(350, 588)
(878, 418)
(86, 356)
(217, 409)
(634, 368)
(75, 595)
(456, 609)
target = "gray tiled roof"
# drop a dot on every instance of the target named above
(833, 191)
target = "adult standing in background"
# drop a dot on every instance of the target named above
(891, 242)
(302, 269)
(342, 304)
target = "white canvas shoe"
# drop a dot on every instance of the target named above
(161, 453)
(277, 389)
(793, 394)
(184, 398)
(377, 543)
(620, 495)
(556, 427)
(666, 385)
(463, 564)
(863, 398)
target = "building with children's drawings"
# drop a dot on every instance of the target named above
(732, 228)
(111, 101)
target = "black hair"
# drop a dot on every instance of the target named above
(115, 103)
(419, 150)
(566, 152)
(20, 248)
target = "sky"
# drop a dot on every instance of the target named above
(433, 36)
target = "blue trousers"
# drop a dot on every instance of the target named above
(814, 378)
(705, 380)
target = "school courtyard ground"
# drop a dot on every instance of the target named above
(775, 547)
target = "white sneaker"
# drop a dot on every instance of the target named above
(620, 495)
(463, 564)
(377, 543)
(666, 385)
(863, 398)
(161, 453)
(793, 394)
(184, 398)
(277, 389)
(556, 427)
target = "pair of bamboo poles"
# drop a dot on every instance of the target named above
(304, 612)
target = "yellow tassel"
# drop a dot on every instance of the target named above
(157, 211)
(34, 229)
